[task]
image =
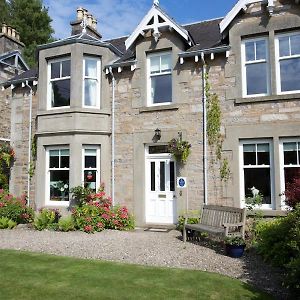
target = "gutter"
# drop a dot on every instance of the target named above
(17, 81)
(121, 64)
(113, 137)
(220, 49)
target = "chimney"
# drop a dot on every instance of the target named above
(9, 39)
(83, 15)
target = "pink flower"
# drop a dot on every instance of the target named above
(124, 216)
(1, 191)
(2, 204)
(105, 216)
(100, 225)
(88, 228)
(88, 219)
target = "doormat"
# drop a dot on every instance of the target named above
(166, 230)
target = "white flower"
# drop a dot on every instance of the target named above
(62, 189)
(54, 185)
(66, 186)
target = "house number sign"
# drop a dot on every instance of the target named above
(181, 182)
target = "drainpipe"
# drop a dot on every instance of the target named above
(29, 140)
(204, 128)
(113, 136)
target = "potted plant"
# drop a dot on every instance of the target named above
(235, 246)
(179, 149)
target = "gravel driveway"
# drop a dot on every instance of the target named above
(163, 249)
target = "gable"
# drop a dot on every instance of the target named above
(157, 20)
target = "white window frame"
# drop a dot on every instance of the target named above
(98, 78)
(271, 167)
(49, 80)
(47, 183)
(278, 59)
(149, 96)
(282, 166)
(244, 64)
(98, 162)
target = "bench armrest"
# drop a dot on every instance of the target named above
(239, 224)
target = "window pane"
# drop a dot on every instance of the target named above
(90, 152)
(261, 180)
(166, 64)
(249, 154)
(64, 161)
(284, 46)
(162, 176)
(155, 64)
(61, 93)
(161, 88)
(250, 51)
(295, 44)
(290, 153)
(54, 162)
(66, 68)
(55, 70)
(290, 174)
(90, 92)
(261, 50)
(54, 152)
(91, 68)
(263, 154)
(257, 79)
(59, 185)
(65, 152)
(90, 178)
(90, 162)
(158, 149)
(289, 74)
(172, 176)
(152, 176)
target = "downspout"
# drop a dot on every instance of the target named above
(29, 142)
(204, 128)
(113, 136)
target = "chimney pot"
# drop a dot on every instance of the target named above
(4, 28)
(13, 33)
(90, 20)
(17, 36)
(80, 13)
(9, 30)
(94, 23)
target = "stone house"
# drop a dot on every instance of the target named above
(106, 110)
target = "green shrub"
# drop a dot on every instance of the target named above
(279, 242)
(193, 219)
(7, 223)
(292, 280)
(15, 208)
(47, 219)
(66, 224)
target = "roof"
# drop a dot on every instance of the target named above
(14, 59)
(29, 75)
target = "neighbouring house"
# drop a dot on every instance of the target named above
(106, 110)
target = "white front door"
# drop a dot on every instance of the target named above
(160, 189)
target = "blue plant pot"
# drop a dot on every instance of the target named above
(234, 251)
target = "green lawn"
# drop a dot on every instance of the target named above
(38, 276)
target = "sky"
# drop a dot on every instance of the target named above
(117, 18)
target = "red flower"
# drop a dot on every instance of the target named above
(105, 216)
(88, 228)
(100, 225)
(124, 216)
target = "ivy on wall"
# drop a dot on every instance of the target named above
(214, 137)
(7, 158)
(33, 156)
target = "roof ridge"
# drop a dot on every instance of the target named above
(203, 21)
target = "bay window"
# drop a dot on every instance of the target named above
(59, 83)
(159, 78)
(255, 64)
(58, 161)
(91, 82)
(288, 62)
(256, 170)
(91, 167)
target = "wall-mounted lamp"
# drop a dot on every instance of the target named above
(157, 133)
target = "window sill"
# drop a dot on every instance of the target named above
(268, 98)
(159, 108)
(267, 213)
(74, 110)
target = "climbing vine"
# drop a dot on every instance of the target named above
(33, 157)
(7, 158)
(214, 137)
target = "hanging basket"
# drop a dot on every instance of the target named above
(179, 149)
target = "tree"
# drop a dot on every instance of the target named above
(3, 11)
(32, 21)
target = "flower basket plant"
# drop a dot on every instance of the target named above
(235, 246)
(179, 149)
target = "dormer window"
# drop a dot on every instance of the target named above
(59, 83)
(91, 82)
(159, 78)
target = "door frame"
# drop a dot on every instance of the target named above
(148, 156)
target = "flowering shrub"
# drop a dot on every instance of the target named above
(292, 193)
(7, 158)
(98, 214)
(15, 208)
(47, 219)
(180, 149)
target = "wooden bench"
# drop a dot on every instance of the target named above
(219, 220)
